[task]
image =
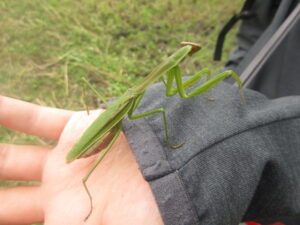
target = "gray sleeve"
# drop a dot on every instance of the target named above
(239, 161)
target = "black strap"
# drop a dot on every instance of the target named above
(244, 14)
(251, 71)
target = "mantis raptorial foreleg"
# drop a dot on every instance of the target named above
(181, 86)
(187, 83)
(170, 91)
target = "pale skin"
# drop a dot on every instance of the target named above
(120, 194)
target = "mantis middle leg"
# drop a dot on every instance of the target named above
(159, 110)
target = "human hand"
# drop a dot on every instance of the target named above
(120, 194)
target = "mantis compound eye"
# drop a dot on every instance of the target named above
(195, 47)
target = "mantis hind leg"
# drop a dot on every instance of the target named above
(175, 73)
(118, 129)
(159, 110)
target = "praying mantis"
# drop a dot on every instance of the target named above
(109, 123)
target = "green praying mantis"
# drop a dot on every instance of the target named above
(109, 123)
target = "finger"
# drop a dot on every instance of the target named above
(32, 119)
(20, 205)
(22, 162)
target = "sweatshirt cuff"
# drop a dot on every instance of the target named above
(173, 201)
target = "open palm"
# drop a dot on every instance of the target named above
(120, 194)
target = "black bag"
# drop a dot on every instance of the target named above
(268, 53)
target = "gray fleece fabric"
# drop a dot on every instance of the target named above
(239, 161)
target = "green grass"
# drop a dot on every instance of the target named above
(112, 43)
(46, 46)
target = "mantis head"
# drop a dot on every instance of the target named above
(195, 47)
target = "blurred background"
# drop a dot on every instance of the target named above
(46, 46)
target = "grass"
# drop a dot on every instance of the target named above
(48, 45)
